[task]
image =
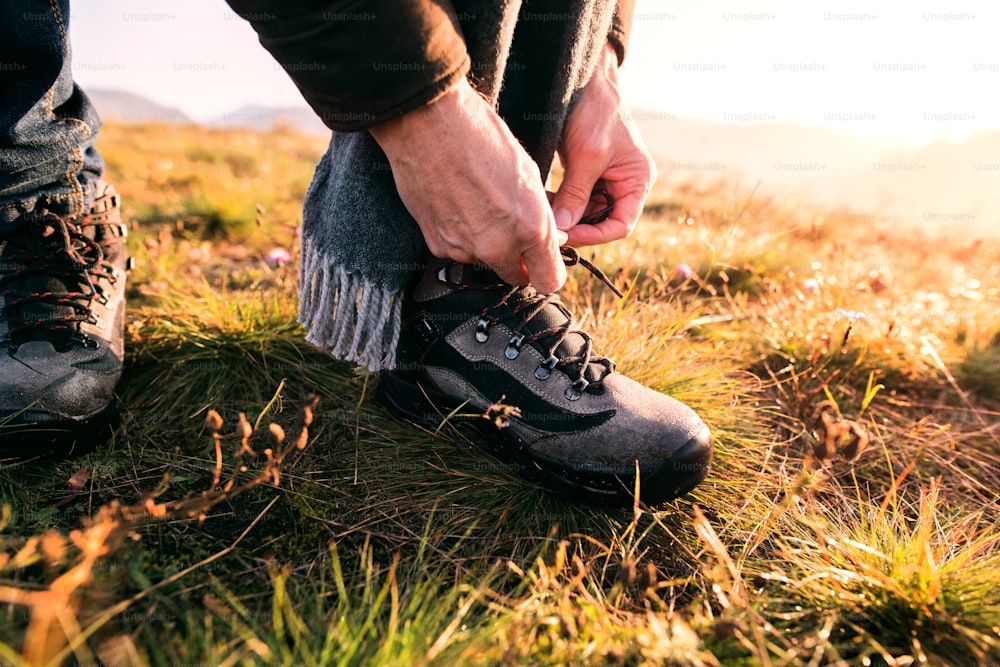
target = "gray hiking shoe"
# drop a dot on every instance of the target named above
(62, 310)
(469, 340)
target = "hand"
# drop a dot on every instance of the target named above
(476, 194)
(600, 143)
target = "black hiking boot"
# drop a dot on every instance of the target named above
(470, 341)
(62, 310)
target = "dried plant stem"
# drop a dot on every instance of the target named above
(111, 612)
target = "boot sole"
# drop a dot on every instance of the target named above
(660, 482)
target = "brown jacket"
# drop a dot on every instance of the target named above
(361, 63)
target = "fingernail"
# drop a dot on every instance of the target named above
(564, 219)
(562, 237)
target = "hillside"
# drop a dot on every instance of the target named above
(262, 119)
(124, 107)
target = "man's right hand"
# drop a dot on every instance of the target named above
(476, 194)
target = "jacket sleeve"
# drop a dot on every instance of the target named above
(359, 63)
(621, 27)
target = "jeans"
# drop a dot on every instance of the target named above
(47, 124)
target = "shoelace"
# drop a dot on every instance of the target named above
(532, 303)
(56, 247)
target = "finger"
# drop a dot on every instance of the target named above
(545, 266)
(598, 203)
(574, 194)
(509, 268)
(611, 229)
(454, 254)
(629, 199)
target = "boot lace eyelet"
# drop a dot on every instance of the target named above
(84, 341)
(575, 390)
(514, 346)
(545, 370)
(483, 330)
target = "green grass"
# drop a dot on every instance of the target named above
(386, 544)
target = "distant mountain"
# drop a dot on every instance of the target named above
(263, 118)
(117, 105)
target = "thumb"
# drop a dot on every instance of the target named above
(572, 197)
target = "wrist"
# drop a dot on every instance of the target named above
(603, 84)
(426, 121)
(608, 60)
(604, 78)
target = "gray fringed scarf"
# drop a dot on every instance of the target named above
(360, 247)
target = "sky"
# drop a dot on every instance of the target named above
(910, 72)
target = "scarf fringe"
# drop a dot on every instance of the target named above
(351, 318)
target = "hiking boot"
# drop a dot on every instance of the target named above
(62, 309)
(471, 345)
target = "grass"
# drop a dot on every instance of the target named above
(799, 335)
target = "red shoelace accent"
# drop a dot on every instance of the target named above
(51, 246)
